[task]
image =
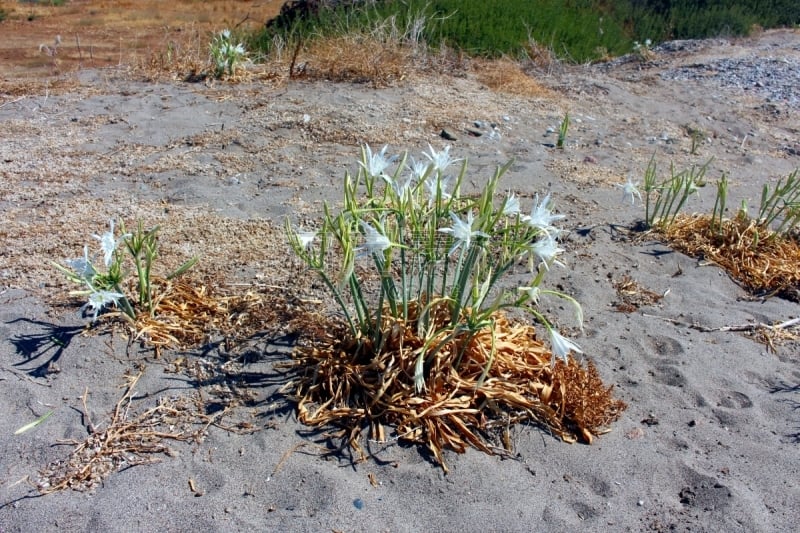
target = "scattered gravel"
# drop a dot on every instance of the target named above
(777, 80)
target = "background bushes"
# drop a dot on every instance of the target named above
(578, 30)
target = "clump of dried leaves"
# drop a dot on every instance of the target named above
(762, 261)
(341, 382)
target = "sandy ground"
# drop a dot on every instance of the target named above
(710, 438)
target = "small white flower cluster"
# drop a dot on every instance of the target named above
(630, 191)
(644, 50)
(430, 172)
(84, 272)
(225, 54)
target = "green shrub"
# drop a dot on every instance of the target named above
(503, 27)
(575, 30)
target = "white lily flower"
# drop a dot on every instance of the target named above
(542, 216)
(629, 191)
(561, 346)
(462, 232)
(108, 243)
(417, 168)
(434, 185)
(376, 242)
(533, 293)
(546, 249)
(400, 189)
(306, 238)
(441, 159)
(376, 164)
(99, 299)
(511, 205)
(83, 265)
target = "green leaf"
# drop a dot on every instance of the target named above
(183, 268)
(35, 423)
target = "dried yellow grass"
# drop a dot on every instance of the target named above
(187, 313)
(354, 58)
(506, 76)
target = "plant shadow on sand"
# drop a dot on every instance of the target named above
(235, 388)
(46, 347)
(785, 388)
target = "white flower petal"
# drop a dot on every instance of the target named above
(376, 164)
(561, 346)
(306, 238)
(462, 231)
(511, 205)
(546, 249)
(629, 191)
(542, 217)
(99, 299)
(533, 293)
(375, 241)
(441, 159)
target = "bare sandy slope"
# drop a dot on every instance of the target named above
(710, 438)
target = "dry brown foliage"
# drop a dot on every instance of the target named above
(762, 261)
(341, 382)
(542, 57)
(355, 58)
(506, 76)
(189, 313)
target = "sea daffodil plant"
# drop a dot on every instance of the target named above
(106, 286)
(225, 55)
(431, 247)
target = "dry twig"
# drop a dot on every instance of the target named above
(125, 442)
(765, 333)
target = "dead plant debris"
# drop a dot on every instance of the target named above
(126, 441)
(767, 334)
(130, 439)
(632, 295)
(340, 383)
(187, 314)
(763, 262)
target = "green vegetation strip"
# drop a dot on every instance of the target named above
(579, 30)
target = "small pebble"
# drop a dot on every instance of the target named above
(444, 134)
(358, 503)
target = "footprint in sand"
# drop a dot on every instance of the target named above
(734, 400)
(704, 493)
(668, 375)
(666, 346)
(729, 408)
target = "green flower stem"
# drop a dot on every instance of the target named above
(124, 304)
(719, 205)
(337, 295)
